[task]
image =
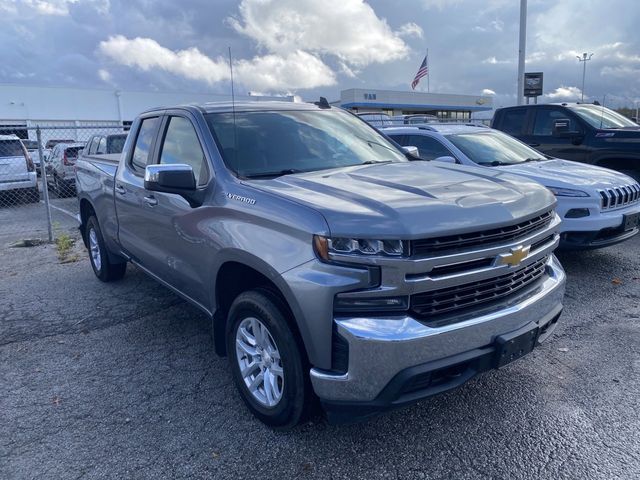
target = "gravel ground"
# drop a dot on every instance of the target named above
(119, 381)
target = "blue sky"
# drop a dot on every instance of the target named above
(312, 48)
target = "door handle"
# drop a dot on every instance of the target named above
(150, 200)
(534, 144)
(120, 189)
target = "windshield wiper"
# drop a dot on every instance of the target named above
(535, 159)
(375, 162)
(494, 163)
(280, 173)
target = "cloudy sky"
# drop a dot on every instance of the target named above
(318, 47)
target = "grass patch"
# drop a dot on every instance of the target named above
(64, 245)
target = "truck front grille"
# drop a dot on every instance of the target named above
(620, 196)
(451, 299)
(454, 243)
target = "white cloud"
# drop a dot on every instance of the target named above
(104, 75)
(564, 93)
(347, 29)
(488, 92)
(297, 69)
(51, 7)
(147, 54)
(495, 61)
(410, 30)
(439, 4)
(534, 57)
(60, 7)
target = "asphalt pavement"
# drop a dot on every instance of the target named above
(120, 381)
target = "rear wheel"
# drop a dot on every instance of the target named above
(103, 267)
(266, 363)
(32, 195)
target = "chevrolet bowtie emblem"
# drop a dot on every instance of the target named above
(516, 256)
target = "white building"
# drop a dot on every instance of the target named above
(443, 105)
(28, 106)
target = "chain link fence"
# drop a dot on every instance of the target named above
(37, 177)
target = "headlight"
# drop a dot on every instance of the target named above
(356, 246)
(567, 192)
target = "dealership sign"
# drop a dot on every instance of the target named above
(533, 84)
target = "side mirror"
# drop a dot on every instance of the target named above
(173, 178)
(561, 127)
(445, 159)
(412, 151)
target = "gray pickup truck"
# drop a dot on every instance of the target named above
(332, 266)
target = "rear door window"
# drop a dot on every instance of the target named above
(115, 144)
(513, 121)
(545, 117)
(144, 142)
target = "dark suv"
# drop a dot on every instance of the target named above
(576, 131)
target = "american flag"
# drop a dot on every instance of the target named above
(422, 71)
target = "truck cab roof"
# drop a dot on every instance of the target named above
(243, 106)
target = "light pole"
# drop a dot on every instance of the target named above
(521, 50)
(584, 59)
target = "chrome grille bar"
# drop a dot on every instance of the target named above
(619, 196)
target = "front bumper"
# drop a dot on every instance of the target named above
(381, 350)
(601, 228)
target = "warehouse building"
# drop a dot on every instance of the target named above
(443, 105)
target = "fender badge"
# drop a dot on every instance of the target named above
(240, 198)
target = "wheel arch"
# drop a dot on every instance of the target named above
(240, 272)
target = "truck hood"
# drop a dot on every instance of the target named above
(412, 200)
(568, 174)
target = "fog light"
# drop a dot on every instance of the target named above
(371, 304)
(577, 213)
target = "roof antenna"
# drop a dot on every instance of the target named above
(233, 110)
(323, 103)
(602, 110)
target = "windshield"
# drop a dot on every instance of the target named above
(602, 117)
(274, 143)
(494, 148)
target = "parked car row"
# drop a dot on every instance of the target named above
(20, 162)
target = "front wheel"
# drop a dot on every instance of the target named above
(103, 267)
(266, 363)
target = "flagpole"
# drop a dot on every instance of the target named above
(428, 74)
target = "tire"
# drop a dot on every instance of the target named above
(103, 267)
(276, 350)
(56, 185)
(33, 195)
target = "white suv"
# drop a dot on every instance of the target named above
(17, 171)
(598, 206)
